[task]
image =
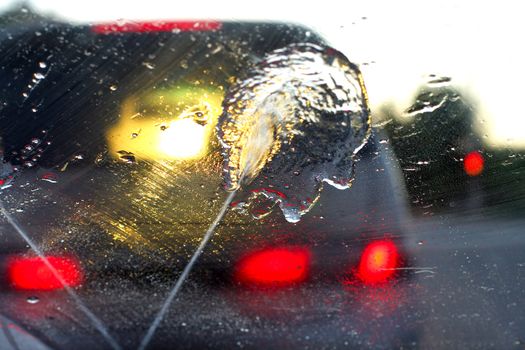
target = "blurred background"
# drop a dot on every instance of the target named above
(398, 45)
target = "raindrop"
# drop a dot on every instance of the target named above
(427, 103)
(101, 158)
(113, 87)
(32, 300)
(39, 76)
(438, 81)
(42, 64)
(126, 157)
(148, 65)
(50, 177)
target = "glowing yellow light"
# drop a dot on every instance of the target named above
(183, 139)
(173, 124)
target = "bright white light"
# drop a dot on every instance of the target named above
(183, 139)
(395, 43)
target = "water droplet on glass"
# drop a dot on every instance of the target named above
(113, 87)
(428, 102)
(287, 115)
(148, 65)
(50, 177)
(435, 81)
(126, 157)
(32, 300)
(101, 158)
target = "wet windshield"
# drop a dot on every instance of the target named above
(225, 182)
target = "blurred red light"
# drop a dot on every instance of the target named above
(378, 262)
(33, 274)
(473, 163)
(156, 26)
(274, 266)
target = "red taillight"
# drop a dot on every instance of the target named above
(473, 163)
(156, 26)
(33, 273)
(274, 266)
(378, 262)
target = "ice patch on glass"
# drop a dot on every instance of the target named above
(295, 120)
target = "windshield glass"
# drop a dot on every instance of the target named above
(217, 180)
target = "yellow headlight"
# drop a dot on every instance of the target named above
(183, 139)
(176, 124)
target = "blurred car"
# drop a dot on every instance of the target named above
(112, 165)
(440, 152)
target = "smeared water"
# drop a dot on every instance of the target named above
(295, 120)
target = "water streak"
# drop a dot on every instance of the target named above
(300, 115)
